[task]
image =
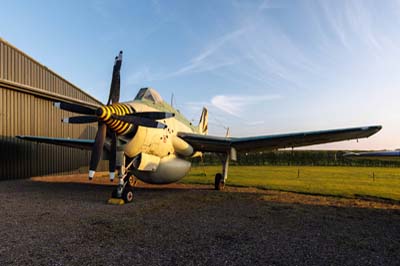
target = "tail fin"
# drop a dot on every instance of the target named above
(203, 124)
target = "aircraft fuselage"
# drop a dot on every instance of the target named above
(161, 156)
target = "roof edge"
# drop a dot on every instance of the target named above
(51, 71)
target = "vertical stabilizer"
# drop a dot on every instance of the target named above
(203, 124)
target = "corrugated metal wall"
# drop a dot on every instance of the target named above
(27, 93)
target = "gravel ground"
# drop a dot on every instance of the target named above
(53, 223)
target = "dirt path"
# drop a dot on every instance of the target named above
(65, 221)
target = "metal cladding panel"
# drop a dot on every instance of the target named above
(26, 113)
(16, 66)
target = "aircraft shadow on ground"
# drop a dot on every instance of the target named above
(153, 191)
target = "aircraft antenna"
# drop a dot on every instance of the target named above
(227, 135)
(172, 99)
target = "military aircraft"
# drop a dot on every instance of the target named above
(374, 155)
(149, 140)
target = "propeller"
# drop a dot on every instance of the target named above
(115, 81)
(153, 115)
(113, 119)
(113, 156)
(112, 98)
(75, 108)
(80, 119)
(97, 148)
(141, 121)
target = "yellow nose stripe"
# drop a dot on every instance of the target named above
(108, 113)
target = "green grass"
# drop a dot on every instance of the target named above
(335, 181)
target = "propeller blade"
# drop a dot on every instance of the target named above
(140, 121)
(153, 115)
(97, 149)
(76, 108)
(115, 81)
(113, 156)
(80, 119)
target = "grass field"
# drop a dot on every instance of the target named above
(351, 182)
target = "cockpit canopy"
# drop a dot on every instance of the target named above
(149, 94)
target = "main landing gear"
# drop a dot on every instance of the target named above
(220, 179)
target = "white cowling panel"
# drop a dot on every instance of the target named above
(182, 147)
(148, 162)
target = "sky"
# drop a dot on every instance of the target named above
(260, 67)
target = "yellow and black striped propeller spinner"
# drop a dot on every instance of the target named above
(106, 113)
(115, 118)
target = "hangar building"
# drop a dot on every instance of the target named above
(27, 92)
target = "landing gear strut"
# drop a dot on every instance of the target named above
(220, 179)
(125, 188)
(126, 184)
(219, 182)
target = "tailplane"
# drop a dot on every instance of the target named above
(203, 124)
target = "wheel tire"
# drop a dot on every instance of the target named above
(219, 182)
(130, 180)
(127, 195)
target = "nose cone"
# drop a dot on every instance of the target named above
(100, 112)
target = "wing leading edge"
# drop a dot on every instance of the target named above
(207, 143)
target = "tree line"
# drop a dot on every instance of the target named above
(295, 158)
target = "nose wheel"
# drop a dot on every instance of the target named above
(124, 191)
(127, 194)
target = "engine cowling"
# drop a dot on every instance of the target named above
(182, 147)
(147, 162)
(170, 169)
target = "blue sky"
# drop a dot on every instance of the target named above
(261, 67)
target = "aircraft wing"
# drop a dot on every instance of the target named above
(377, 155)
(85, 144)
(208, 143)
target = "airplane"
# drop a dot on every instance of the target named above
(147, 139)
(374, 155)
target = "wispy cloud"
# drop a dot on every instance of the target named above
(354, 25)
(254, 49)
(140, 76)
(210, 59)
(235, 104)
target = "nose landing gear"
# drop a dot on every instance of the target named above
(124, 191)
